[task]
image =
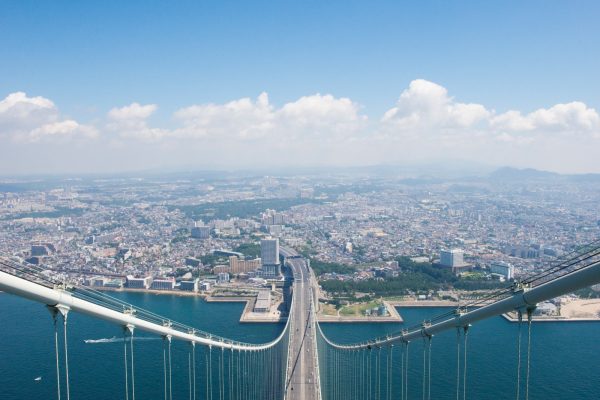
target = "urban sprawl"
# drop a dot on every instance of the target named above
(369, 237)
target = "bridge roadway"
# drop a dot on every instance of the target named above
(303, 378)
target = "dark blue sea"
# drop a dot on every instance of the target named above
(565, 360)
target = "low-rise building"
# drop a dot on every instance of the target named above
(163, 284)
(263, 301)
(503, 269)
(222, 277)
(189, 286)
(138, 283)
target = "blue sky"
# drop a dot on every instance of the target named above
(91, 57)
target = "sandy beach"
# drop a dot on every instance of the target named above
(581, 309)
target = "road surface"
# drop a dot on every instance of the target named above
(302, 358)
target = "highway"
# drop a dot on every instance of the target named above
(302, 382)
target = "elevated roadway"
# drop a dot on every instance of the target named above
(303, 379)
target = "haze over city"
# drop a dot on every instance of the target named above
(289, 85)
(299, 200)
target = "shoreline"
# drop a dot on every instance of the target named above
(512, 317)
(248, 316)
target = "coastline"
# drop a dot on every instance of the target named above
(392, 306)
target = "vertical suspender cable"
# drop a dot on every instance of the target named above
(240, 377)
(165, 364)
(126, 363)
(265, 368)
(357, 371)
(230, 375)
(132, 369)
(402, 371)
(190, 374)
(220, 375)
(68, 390)
(429, 369)
(424, 369)
(369, 374)
(466, 335)
(251, 380)
(194, 370)
(206, 363)
(520, 314)
(245, 368)
(333, 375)
(54, 313)
(170, 370)
(209, 374)
(406, 373)
(363, 375)
(379, 373)
(390, 374)
(529, 316)
(457, 362)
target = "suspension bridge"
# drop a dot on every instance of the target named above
(302, 362)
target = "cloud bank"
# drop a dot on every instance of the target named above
(425, 124)
(33, 119)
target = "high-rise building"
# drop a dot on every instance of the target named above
(272, 217)
(454, 259)
(451, 258)
(269, 251)
(269, 255)
(270, 271)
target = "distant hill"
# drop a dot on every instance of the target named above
(531, 174)
(509, 173)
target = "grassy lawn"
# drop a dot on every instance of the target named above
(358, 309)
(328, 309)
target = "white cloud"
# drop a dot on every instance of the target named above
(132, 111)
(567, 118)
(322, 116)
(30, 119)
(425, 107)
(131, 122)
(21, 106)
(242, 119)
(425, 124)
(64, 128)
(309, 117)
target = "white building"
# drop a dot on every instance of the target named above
(263, 301)
(223, 277)
(452, 258)
(504, 269)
